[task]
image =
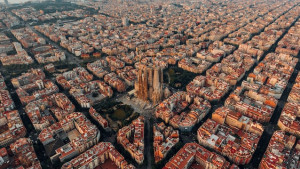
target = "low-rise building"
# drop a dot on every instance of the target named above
(289, 118)
(131, 137)
(224, 115)
(259, 107)
(194, 152)
(20, 58)
(73, 78)
(12, 127)
(90, 93)
(47, 54)
(36, 90)
(164, 139)
(40, 111)
(25, 155)
(77, 128)
(169, 110)
(6, 102)
(210, 89)
(97, 155)
(294, 96)
(96, 116)
(30, 76)
(236, 144)
(283, 151)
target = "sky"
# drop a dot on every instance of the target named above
(14, 1)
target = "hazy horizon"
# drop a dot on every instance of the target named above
(15, 1)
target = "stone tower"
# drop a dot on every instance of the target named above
(149, 84)
(6, 3)
(157, 85)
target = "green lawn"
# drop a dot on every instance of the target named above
(122, 112)
(179, 77)
(119, 114)
(117, 111)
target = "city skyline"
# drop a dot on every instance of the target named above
(15, 1)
